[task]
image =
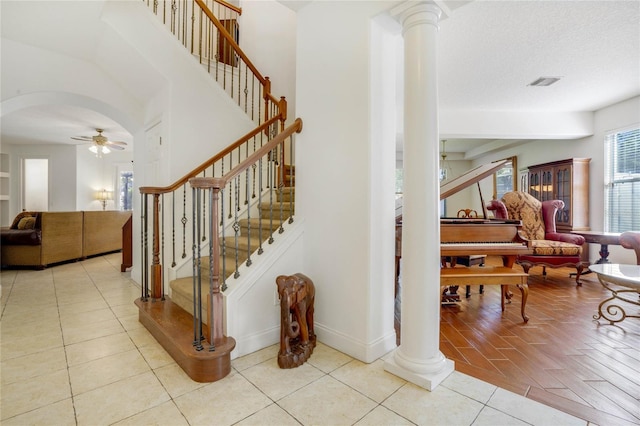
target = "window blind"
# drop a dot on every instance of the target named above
(622, 181)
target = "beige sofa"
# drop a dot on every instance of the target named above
(63, 236)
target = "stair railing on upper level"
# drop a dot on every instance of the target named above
(209, 30)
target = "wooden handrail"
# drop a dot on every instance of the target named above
(263, 150)
(236, 9)
(221, 182)
(209, 162)
(223, 31)
(214, 32)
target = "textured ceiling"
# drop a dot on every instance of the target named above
(489, 51)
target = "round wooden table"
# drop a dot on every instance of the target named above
(603, 238)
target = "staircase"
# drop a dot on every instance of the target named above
(227, 209)
(253, 234)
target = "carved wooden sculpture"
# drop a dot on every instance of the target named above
(297, 339)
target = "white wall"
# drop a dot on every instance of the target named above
(335, 179)
(75, 174)
(268, 37)
(24, 86)
(195, 111)
(95, 174)
(468, 198)
(62, 175)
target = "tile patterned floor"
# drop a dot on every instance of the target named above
(73, 352)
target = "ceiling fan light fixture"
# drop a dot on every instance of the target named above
(98, 150)
(544, 81)
(100, 144)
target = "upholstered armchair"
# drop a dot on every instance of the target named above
(550, 248)
(631, 240)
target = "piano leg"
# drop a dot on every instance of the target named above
(450, 293)
(509, 260)
(467, 293)
(504, 291)
(524, 289)
(506, 295)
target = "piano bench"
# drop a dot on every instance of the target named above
(489, 275)
(471, 260)
(474, 259)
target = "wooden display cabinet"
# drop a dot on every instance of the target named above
(566, 180)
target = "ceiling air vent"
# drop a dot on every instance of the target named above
(544, 81)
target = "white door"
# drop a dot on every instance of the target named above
(35, 184)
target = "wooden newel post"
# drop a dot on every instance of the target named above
(266, 95)
(214, 293)
(282, 106)
(156, 267)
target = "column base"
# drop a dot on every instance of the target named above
(428, 380)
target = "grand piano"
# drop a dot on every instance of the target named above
(477, 236)
(489, 236)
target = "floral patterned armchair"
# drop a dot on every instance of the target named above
(550, 248)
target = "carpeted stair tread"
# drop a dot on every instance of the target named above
(260, 229)
(255, 223)
(266, 207)
(242, 242)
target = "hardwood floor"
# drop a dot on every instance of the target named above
(561, 357)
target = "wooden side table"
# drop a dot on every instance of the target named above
(623, 281)
(603, 238)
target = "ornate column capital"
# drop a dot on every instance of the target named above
(412, 13)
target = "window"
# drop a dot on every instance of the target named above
(399, 182)
(504, 179)
(126, 190)
(622, 181)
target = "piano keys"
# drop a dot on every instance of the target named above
(464, 237)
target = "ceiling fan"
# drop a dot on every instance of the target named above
(101, 144)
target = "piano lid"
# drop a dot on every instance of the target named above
(455, 185)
